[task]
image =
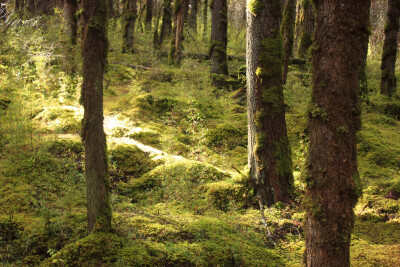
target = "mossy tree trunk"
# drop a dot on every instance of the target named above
(128, 28)
(205, 18)
(94, 53)
(333, 185)
(166, 22)
(287, 31)
(219, 41)
(269, 155)
(193, 15)
(176, 50)
(389, 54)
(306, 24)
(149, 15)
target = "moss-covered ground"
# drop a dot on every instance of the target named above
(177, 157)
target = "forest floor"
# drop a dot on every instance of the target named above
(177, 156)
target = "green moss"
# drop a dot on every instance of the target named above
(227, 135)
(255, 6)
(270, 57)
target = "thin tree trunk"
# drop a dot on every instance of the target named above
(94, 53)
(156, 35)
(287, 30)
(149, 14)
(111, 12)
(269, 155)
(128, 30)
(306, 27)
(389, 54)
(176, 50)
(333, 184)
(193, 15)
(70, 7)
(219, 41)
(362, 75)
(166, 25)
(205, 18)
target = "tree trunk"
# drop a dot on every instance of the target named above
(166, 24)
(156, 35)
(388, 78)
(333, 184)
(362, 75)
(205, 13)
(149, 14)
(269, 155)
(287, 30)
(306, 27)
(70, 7)
(111, 12)
(219, 41)
(128, 29)
(176, 50)
(94, 53)
(193, 15)
(3, 10)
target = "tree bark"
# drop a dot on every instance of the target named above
(362, 75)
(176, 50)
(306, 27)
(205, 18)
(94, 53)
(287, 30)
(166, 24)
(269, 155)
(389, 54)
(333, 185)
(70, 7)
(128, 30)
(219, 41)
(111, 12)
(193, 15)
(149, 14)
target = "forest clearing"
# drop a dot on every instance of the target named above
(199, 133)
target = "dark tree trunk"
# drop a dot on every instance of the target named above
(70, 7)
(388, 78)
(166, 24)
(186, 12)
(219, 41)
(306, 27)
(128, 29)
(94, 53)
(156, 35)
(333, 184)
(287, 30)
(30, 6)
(111, 12)
(193, 15)
(205, 12)
(3, 10)
(269, 155)
(176, 50)
(149, 14)
(362, 75)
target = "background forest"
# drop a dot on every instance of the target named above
(176, 128)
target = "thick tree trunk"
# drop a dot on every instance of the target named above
(331, 173)
(219, 41)
(166, 24)
(205, 18)
(149, 14)
(128, 29)
(176, 50)
(193, 15)
(70, 7)
(287, 30)
(306, 27)
(94, 53)
(269, 155)
(388, 78)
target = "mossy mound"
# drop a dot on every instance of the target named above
(227, 135)
(129, 162)
(65, 119)
(389, 106)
